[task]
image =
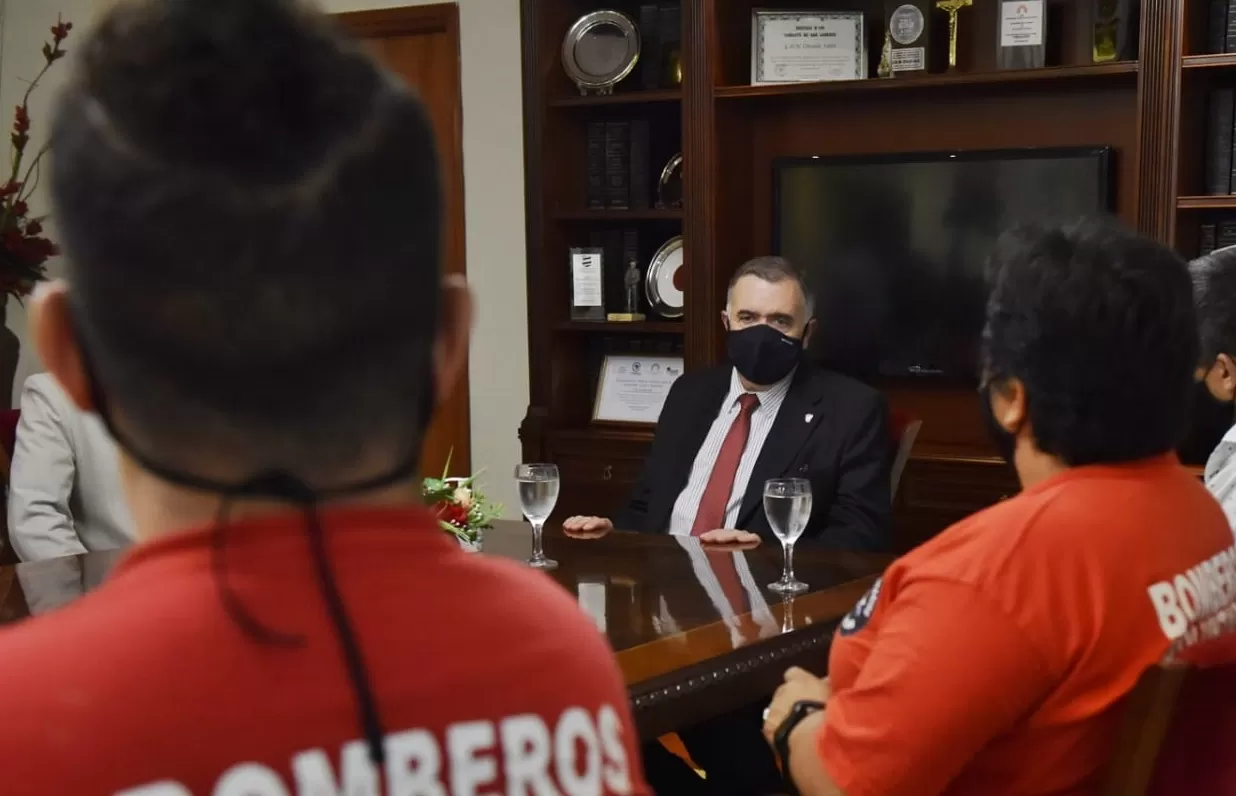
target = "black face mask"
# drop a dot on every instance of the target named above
(762, 355)
(286, 486)
(1004, 440)
(1210, 419)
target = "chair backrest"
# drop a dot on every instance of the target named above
(1147, 715)
(1177, 733)
(1196, 756)
(904, 431)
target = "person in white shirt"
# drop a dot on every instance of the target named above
(65, 497)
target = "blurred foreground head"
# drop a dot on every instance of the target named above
(251, 213)
(1090, 345)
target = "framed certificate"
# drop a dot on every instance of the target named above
(633, 388)
(807, 46)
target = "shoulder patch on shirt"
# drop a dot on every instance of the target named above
(857, 618)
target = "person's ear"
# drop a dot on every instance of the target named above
(1222, 377)
(1008, 405)
(725, 320)
(808, 331)
(450, 351)
(55, 341)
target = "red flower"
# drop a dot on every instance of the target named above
(9, 189)
(20, 209)
(22, 123)
(60, 31)
(34, 228)
(452, 514)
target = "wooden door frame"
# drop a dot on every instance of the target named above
(421, 20)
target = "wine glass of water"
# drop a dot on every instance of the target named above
(538, 493)
(787, 503)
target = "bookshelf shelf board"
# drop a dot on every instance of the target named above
(1110, 69)
(1206, 202)
(607, 327)
(617, 216)
(621, 98)
(1210, 61)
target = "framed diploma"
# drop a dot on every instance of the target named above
(807, 46)
(587, 284)
(632, 389)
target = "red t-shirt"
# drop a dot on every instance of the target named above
(995, 658)
(487, 677)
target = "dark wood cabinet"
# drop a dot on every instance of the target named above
(1150, 110)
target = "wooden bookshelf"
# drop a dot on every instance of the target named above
(730, 133)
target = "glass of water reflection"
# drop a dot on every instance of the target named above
(787, 503)
(538, 493)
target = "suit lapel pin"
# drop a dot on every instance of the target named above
(808, 418)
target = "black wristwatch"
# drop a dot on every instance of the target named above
(781, 738)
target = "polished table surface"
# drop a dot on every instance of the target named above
(685, 650)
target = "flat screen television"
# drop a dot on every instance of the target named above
(895, 245)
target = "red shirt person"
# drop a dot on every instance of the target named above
(251, 212)
(996, 658)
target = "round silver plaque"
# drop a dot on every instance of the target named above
(669, 187)
(600, 50)
(906, 24)
(665, 284)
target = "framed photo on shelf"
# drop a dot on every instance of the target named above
(632, 388)
(807, 46)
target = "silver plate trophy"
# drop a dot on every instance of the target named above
(664, 285)
(600, 50)
(669, 187)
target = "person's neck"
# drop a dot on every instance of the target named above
(1034, 467)
(749, 386)
(159, 508)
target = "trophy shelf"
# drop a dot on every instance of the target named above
(1221, 202)
(614, 327)
(1053, 74)
(620, 98)
(617, 216)
(1211, 61)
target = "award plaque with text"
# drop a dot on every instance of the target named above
(910, 35)
(807, 46)
(1022, 42)
(588, 284)
(632, 389)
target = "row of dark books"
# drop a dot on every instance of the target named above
(660, 44)
(1220, 141)
(620, 166)
(1221, 27)
(1218, 235)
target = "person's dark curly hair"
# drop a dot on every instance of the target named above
(1214, 294)
(1098, 324)
(251, 212)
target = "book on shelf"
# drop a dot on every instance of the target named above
(596, 166)
(1220, 120)
(1221, 26)
(618, 165)
(641, 177)
(1206, 240)
(1226, 234)
(650, 46)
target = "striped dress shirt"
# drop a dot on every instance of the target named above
(762, 419)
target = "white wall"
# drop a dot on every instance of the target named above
(494, 204)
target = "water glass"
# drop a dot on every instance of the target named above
(787, 504)
(538, 494)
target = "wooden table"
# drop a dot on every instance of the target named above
(683, 660)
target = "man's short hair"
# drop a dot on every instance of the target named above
(1098, 324)
(251, 213)
(773, 269)
(1214, 294)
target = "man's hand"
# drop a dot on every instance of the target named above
(586, 527)
(729, 539)
(799, 685)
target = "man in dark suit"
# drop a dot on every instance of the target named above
(724, 431)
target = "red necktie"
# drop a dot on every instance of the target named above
(711, 512)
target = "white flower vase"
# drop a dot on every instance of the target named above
(472, 547)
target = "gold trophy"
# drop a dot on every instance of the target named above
(951, 7)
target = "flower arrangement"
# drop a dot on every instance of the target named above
(461, 510)
(24, 249)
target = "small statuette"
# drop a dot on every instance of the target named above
(885, 69)
(631, 280)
